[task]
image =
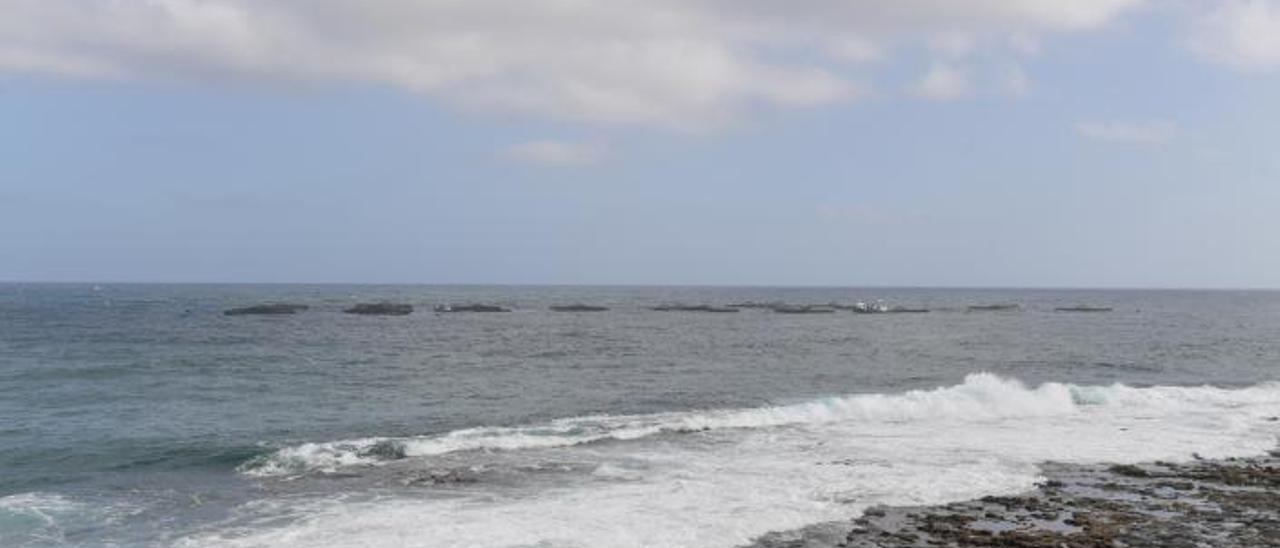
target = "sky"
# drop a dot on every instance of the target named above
(1001, 143)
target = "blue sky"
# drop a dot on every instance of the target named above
(1114, 143)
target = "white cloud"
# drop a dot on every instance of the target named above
(953, 44)
(932, 16)
(1024, 44)
(1243, 34)
(684, 64)
(556, 153)
(942, 82)
(1149, 133)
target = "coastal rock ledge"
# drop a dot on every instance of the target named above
(1220, 503)
(271, 309)
(381, 309)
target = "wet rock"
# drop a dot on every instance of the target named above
(694, 308)
(447, 308)
(578, 308)
(1205, 503)
(803, 309)
(271, 309)
(381, 309)
(1129, 470)
(754, 304)
(907, 310)
(1177, 485)
(1000, 307)
(441, 477)
(1082, 308)
(385, 450)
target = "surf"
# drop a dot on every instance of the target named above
(980, 397)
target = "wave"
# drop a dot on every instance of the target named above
(981, 397)
(45, 516)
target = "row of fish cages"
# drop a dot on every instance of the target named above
(877, 307)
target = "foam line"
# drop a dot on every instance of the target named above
(981, 397)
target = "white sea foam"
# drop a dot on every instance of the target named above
(41, 518)
(742, 473)
(49, 519)
(982, 397)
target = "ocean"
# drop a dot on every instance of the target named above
(141, 415)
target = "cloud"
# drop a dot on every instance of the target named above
(1242, 34)
(953, 44)
(1148, 133)
(556, 153)
(680, 64)
(942, 82)
(1024, 44)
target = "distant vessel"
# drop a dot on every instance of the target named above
(1083, 308)
(578, 308)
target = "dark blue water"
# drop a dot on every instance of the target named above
(148, 393)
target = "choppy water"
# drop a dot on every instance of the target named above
(140, 415)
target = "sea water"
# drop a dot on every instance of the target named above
(140, 415)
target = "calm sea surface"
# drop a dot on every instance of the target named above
(140, 415)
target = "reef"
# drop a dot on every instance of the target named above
(1082, 309)
(1002, 307)
(272, 309)
(907, 310)
(803, 309)
(1219, 503)
(755, 304)
(446, 308)
(381, 309)
(578, 308)
(694, 308)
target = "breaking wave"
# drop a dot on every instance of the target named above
(981, 397)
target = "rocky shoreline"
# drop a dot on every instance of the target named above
(1231, 502)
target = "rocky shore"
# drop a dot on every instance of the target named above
(1200, 504)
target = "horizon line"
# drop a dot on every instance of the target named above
(653, 285)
